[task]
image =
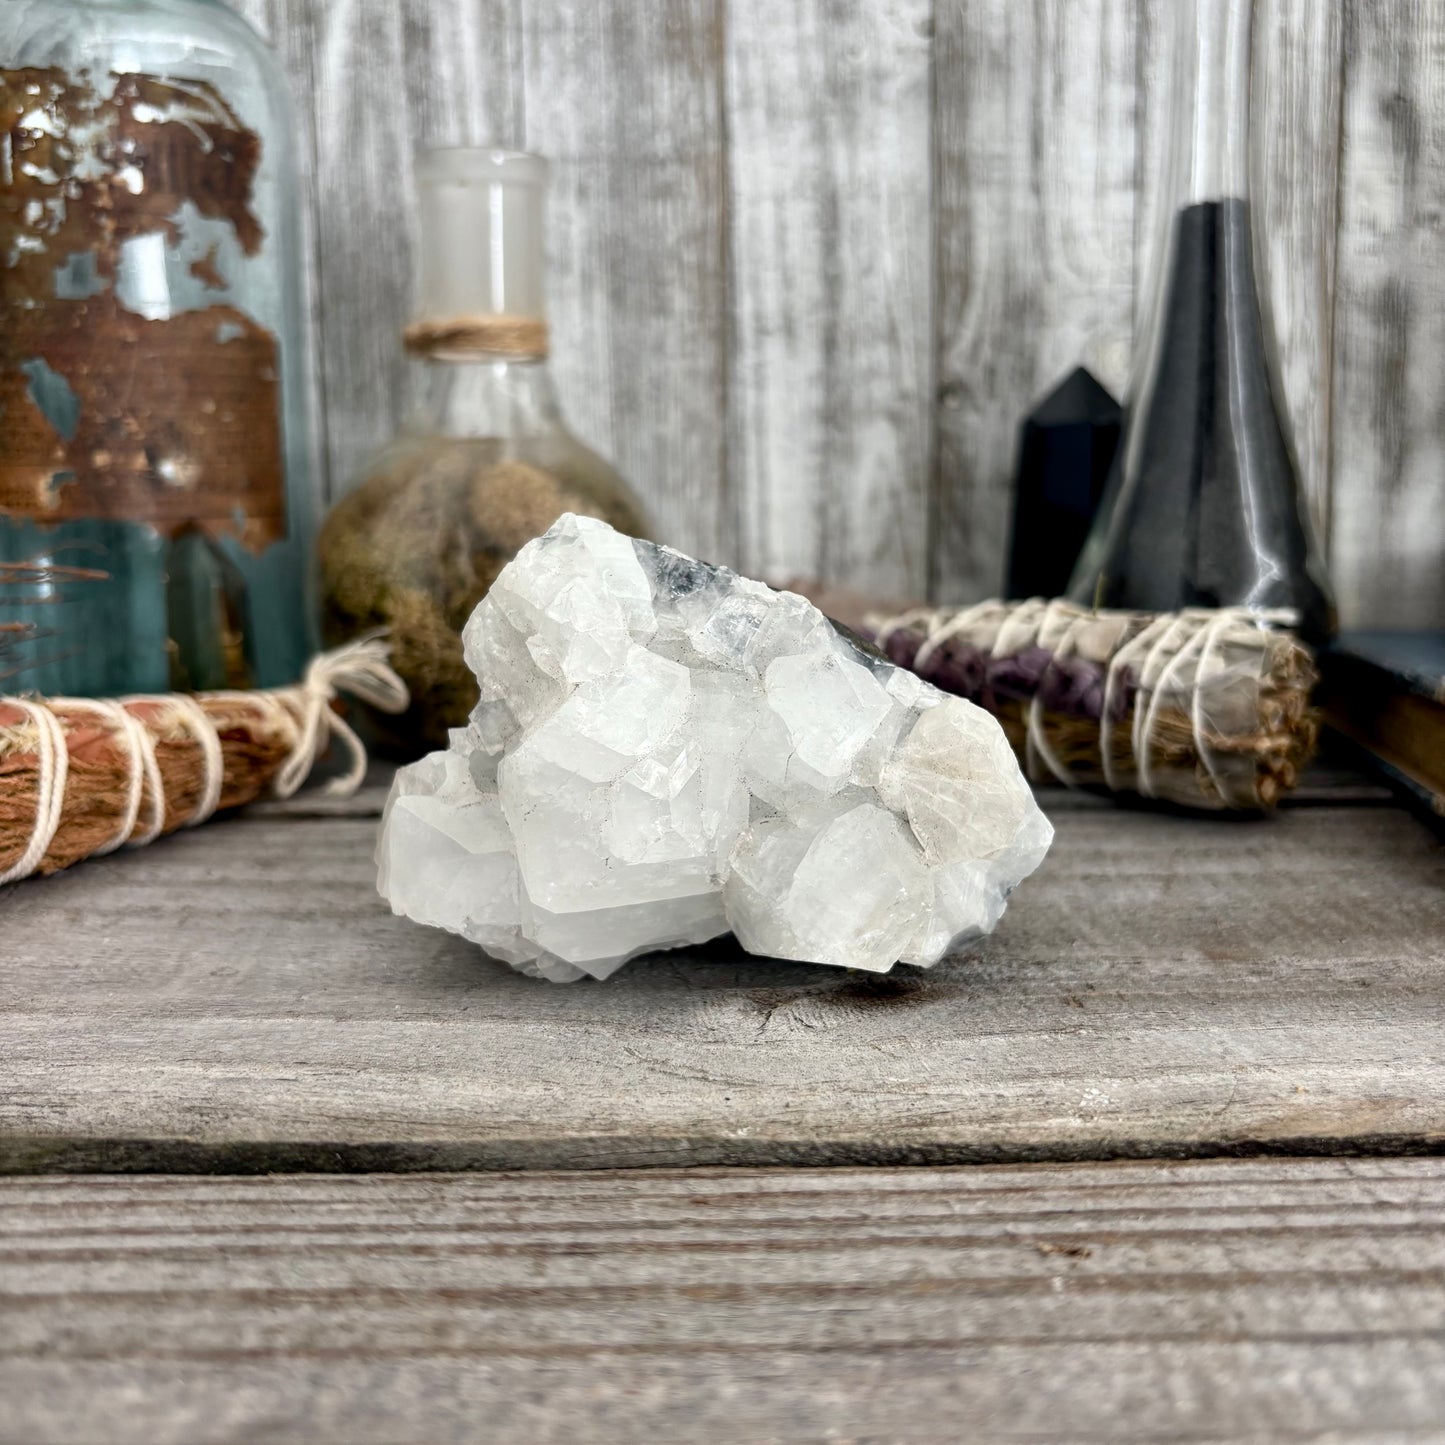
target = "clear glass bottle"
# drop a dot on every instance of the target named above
(1204, 507)
(483, 464)
(156, 496)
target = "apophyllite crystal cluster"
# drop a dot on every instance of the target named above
(665, 751)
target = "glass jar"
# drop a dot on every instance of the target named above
(485, 461)
(1204, 508)
(156, 502)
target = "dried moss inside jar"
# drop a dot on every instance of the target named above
(486, 461)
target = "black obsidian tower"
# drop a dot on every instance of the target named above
(1066, 445)
(1204, 507)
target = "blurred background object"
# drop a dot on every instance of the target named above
(1066, 446)
(483, 463)
(1384, 692)
(812, 263)
(1205, 709)
(1204, 506)
(156, 464)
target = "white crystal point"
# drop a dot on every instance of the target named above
(665, 751)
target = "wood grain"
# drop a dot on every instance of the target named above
(1282, 1300)
(812, 265)
(1299, 60)
(626, 101)
(355, 61)
(463, 72)
(831, 375)
(1388, 422)
(1035, 140)
(240, 998)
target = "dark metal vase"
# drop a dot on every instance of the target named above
(1204, 507)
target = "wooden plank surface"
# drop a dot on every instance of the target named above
(1388, 423)
(353, 84)
(1299, 59)
(1037, 174)
(1284, 1300)
(463, 72)
(626, 102)
(830, 196)
(1164, 986)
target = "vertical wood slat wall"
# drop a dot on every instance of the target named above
(813, 260)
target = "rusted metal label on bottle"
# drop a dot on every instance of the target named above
(112, 406)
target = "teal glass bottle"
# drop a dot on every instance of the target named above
(156, 499)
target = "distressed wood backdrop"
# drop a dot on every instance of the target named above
(813, 259)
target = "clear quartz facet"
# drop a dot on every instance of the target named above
(665, 751)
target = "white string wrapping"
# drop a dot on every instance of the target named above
(303, 714)
(178, 709)
(204, 732)
(359, 669)
(52, 764)
(1038, 745)
(136, 742)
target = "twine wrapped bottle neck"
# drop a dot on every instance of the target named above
(465, 338)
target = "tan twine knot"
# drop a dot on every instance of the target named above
(495, 334)
(81, 777)
(361, 670)
(1207, 708)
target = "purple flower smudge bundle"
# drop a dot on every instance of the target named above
(1203, 708)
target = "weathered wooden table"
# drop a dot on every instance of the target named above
(282, 1167)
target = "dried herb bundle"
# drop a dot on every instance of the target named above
(84, 776)
(99, 772)
(1204, 708)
